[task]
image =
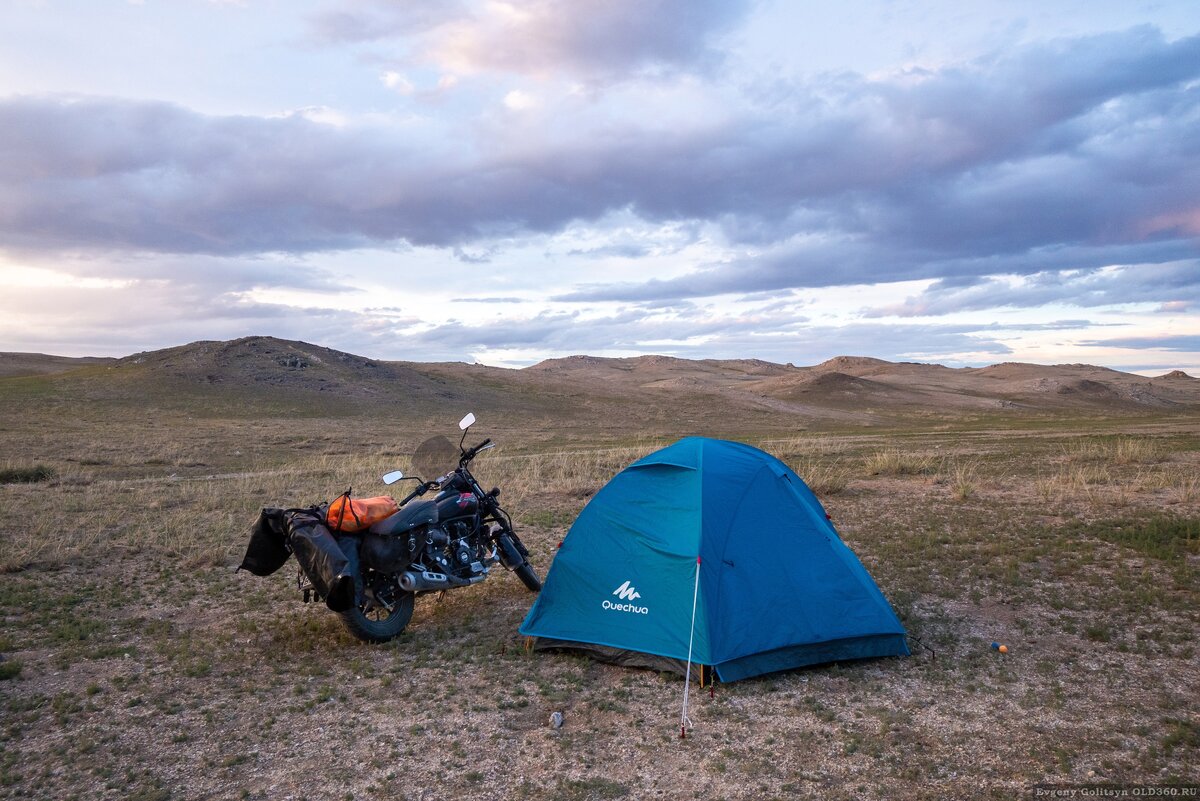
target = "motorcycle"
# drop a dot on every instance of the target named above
(370, 559)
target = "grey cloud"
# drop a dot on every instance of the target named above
(622, 251)
(1091, 160)
(119, 320)
(591, 39)
(472, 258)
(769, 295)
(369, 20)
(1142, 283)
(201, 276)
(684, 306)
(1186, 343)
(146, 314)
(777, 337)
(840, 263)
(606, 36)
(811, 344)
(1057, 325)
(962, 176)
(220, 275)
(570, 332)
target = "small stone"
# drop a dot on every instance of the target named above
(556, 720)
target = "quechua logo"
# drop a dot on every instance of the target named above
(626, 592)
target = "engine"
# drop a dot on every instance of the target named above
(452, 555)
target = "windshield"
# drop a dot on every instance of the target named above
(434, 458)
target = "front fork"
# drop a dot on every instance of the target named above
(512, 550)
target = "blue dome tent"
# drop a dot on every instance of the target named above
(719, 551)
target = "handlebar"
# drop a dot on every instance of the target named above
(419, 491)
(469, 455)
(426, 486)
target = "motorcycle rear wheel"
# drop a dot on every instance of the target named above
(376, 624)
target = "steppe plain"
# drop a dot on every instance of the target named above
(1052, 509)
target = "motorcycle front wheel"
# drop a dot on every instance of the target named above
(371, 622)
(529, 577)
(513, 552)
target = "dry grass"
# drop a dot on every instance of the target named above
(895, 462)
(1186, 490)
(964, 483)
(575, 474)
(25, 474)
(823, 476)
(1120, 450)
(142, 667)
(820, 460)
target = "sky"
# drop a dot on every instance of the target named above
(939, 181)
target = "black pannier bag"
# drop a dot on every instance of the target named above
(387, 553)
(268, 548)
(320, 557)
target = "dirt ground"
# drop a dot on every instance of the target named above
(138, 665)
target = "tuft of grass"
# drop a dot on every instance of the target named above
(964, 480)
(1182, 733)
(822, 477)
(10, 669)
(1135, 450)
(1114, 450)
(27, 475)
(590, 788)
(894, 462)
(1187, 489)
(1160, 536)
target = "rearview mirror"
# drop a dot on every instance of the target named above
(393, 477)
(467, 421)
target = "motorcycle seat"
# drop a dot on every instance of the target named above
(414, 514)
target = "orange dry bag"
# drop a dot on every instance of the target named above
(347, 515)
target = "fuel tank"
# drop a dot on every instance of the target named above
(451, 503)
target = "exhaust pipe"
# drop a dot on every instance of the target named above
(427, 581)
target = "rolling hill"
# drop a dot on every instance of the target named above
(273, 377)
(15, 365)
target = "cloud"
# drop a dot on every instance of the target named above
(1182, 343)
(590, 39)
(368, 20)
(472, 258)
(1169, 284)
(213, 275)
(518, 100)
(154, 307)
(116, 319)
(1073, 155)
(694, 333)
(397, 82)
(619, 251)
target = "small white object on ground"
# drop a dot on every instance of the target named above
(556, 720)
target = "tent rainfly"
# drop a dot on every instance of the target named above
(776, 588)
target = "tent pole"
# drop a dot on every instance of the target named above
(684, 721)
